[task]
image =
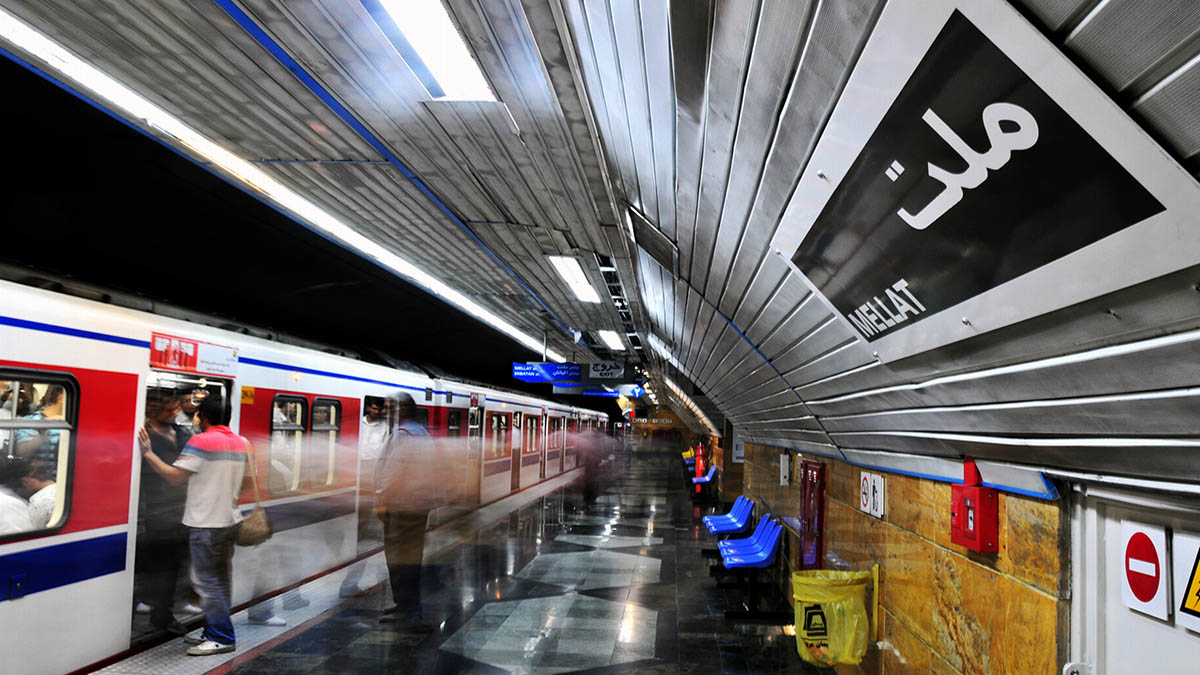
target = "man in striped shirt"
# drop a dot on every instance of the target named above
(212, 465)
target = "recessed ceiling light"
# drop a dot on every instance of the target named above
(429, 30)
(612, 340)
(570, 270)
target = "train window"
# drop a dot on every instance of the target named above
(422, 417)
(530, 445)
(454, 423)
(289, 416)
(498, 444)
(38, 412)
(474, 429)
(323, 440)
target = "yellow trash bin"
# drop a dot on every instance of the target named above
(831, 618)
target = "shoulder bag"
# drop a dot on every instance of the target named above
(256, 527)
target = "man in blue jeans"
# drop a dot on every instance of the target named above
(212, 465)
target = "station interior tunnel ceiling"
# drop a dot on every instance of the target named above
(669, 137)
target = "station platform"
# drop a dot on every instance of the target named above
(541, 582)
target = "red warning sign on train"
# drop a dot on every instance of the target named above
(171, 352)
(1142, 569)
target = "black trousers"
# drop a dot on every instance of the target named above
(159, 557)
(403, 546)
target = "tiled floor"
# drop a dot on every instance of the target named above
(615, 586)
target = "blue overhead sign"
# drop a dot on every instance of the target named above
(547, 372)
(601, 392)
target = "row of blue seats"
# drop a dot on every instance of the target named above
(757, 550)
(746, 557)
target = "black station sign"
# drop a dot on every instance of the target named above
(973, 177)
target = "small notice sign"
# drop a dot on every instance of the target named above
(870, 493)
(171, 352)
(1185, 552)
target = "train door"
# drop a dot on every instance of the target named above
(542, 446)
(496, 449)
(161, 591)
(531, 453)
(517, 455)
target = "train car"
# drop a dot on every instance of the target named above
(81, 374)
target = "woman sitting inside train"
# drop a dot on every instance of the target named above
(41, 445)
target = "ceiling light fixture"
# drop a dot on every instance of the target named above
(112, 94)
(429, 30)
(612, 340)
(572, 272)
(691, 406)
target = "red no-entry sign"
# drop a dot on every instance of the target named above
(1141, 567)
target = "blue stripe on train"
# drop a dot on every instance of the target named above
(42, 569)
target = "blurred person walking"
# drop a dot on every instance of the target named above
(212, 464)
(403, 501)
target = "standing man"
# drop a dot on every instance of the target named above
(212, 465)
(401, 506)
(162, 544)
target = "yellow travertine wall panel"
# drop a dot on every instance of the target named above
(943, 609)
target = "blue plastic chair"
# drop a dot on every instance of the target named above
(737, 524)
(752, 543)
(737, 504)
(712, 471)
(763, 558)
(737, 514)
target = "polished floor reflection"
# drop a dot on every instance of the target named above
(557, 585)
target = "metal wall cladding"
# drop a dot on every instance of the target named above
(1109, 385)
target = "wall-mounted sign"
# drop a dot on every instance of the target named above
(606, 370)
(539, 371)
(171, 352)
(1143, 559)
(969, 177)
(739, 451)
(871, 497)
(785, 469)
(1185, 554)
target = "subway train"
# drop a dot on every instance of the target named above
(79, 373)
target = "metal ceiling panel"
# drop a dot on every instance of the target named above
(837, 33)
(733, 38)
(1125, 40)
(1056, 14)
(1173, 108)
(781, 29)
(691, 40)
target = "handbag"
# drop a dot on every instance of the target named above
(256, 527)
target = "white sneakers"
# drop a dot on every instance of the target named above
(204, 647)
(272, 620)
(208, 647)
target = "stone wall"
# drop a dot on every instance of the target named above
(943, 609)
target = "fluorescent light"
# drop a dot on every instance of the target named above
(612, 340)
(129, 103)
(570, 270)
(691, 405)
(429, 30)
